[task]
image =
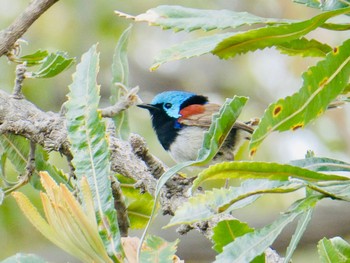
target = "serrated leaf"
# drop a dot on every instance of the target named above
(299, 231)
(183, 18)
(189, 49)
(335, 190)
(53, 64)
(24, 258)
(261, 170)
(261, 38)
(333, 250)
(89, 145)
(322, 164)
(228, 230)
(120, 81)
(157, 249)
(324, 5)
(33, 59)
(246, 248)
(321, 85)
(204, 206)
(304, 47)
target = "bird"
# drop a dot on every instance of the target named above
(180, 119)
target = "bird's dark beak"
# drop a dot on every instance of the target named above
(147, 106)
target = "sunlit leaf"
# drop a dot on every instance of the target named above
(333, 250)
(89, 145)
(322, 164)
(304, 47)
(120, 81)
(53, 65)
(189, 19)
(24, 258)
(260, 170)
(204, 206)
(261, 38)
(228, 230)
(321, 85)
(245, 248)
(157, 249)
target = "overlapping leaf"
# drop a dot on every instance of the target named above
(322, 84)
(334, 250)
(304, 47)
(89, 145)
(322, 164)
(190, 19)
(120, 73)
(324, 5)
(156, 249)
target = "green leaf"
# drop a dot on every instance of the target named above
(182, 18)
(334, 250)
(324, 5)
(261, 170)
(139, 206)
(301, 227)
(321, 85)
(33, 59)
(204, 206)
(158, 250)
(189, 49)
(261, 38)
(228, 230)
(89, 146)
(336, 189)
(246, 248)
(120, 73)
(2, 196)
(24, 258)
(322, 164)
(304, 47)
(53, 65)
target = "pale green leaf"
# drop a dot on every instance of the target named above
(333, 250)
(324, 5)
(24, 258)
(261, 170)
(158, 250)
(321, 85)
(322, 164)
(261, 38)
(304, 47)
(228, 230)
(2, 196)
(204, 206)
(245, 248)
(120, 81)
(89, 146)
(189, 19)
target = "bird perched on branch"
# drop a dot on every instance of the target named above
(180, 119)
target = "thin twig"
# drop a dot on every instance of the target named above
(20, 25)
(20, 76)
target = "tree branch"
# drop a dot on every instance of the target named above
(10, 35)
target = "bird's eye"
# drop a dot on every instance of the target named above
(168, 105)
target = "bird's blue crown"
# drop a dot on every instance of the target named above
(172, 101)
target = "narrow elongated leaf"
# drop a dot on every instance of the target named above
(189, 49)
(336, 190)
(228, 230)
(120, 81)
(158, 250)
(204, 206)
(320, 88)
(183, 18)
(260, 170)
(304, 47)
(24, 258)
(322, 164)
(301, 227)
(261, 38)
(333, 250)
(246, 248)
(87, 134)
(52, 65)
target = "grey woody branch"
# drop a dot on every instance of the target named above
(20, 25)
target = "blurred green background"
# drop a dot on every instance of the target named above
(263, 76)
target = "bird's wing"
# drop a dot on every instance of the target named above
(201, 116)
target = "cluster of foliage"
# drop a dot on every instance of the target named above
(88, 228)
